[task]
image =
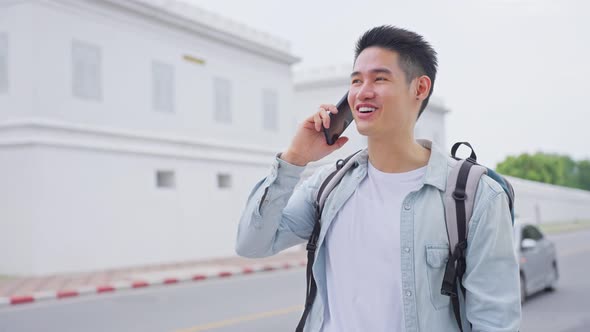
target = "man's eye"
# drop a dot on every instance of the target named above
(380, 79)
(355, 81)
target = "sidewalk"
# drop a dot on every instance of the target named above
(22, 290)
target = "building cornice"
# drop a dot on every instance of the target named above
(42, 132)
(195, 20)
(9, 3)
(314, 77)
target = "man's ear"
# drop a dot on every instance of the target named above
(423, 85)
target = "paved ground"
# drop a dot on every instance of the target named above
(253, 303)
(270, 302)
(26, 288)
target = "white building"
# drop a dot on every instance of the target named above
(131, 131)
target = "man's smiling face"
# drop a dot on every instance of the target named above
(383, 102)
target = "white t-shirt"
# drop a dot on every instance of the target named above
(363, 255)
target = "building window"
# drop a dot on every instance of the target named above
(3, 62)
(165, 179)
(222, 98)
(223, 180)
(86, 71)
(162, 87)
(270, 110)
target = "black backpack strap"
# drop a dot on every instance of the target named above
(311, 289)
(458, 255)
(342, 166)
(456, 146)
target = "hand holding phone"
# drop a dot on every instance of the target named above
(305, 146)
(338, 121)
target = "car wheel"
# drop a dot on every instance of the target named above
(523, 294)
(554, 277)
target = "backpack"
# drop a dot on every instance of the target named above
(459, 200)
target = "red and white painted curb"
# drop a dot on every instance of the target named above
(141, 283)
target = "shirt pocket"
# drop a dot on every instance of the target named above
(437, 256)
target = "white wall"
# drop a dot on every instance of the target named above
(20, 200)
(103, 210)
(545, 203)
(77, 199)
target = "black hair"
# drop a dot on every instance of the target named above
(416, 55)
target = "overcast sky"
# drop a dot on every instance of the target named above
(514, 73)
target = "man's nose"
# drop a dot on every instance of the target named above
(365, 92)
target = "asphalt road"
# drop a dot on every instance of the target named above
(272, 302)
(262, 302)
(567, 309)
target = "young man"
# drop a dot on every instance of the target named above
(383, 243)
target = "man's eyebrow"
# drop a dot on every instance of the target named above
(374, 71)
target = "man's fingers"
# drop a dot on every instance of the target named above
(322, 116)
(317, 120)
(330, 107)
(327, 120)
(325, 115)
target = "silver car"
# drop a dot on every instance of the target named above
(537, 259)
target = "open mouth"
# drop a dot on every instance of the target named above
(366, 110)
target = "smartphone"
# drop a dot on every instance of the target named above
(339, 121)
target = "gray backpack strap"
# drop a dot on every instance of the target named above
(459, 201)
(475, 173)
(342, 167)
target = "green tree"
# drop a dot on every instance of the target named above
(584, 174)
(548, 168)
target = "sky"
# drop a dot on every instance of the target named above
(513, 73)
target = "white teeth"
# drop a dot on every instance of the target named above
(366, 109)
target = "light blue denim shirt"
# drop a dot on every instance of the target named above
(278, 216)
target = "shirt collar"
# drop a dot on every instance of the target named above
(436, 169)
